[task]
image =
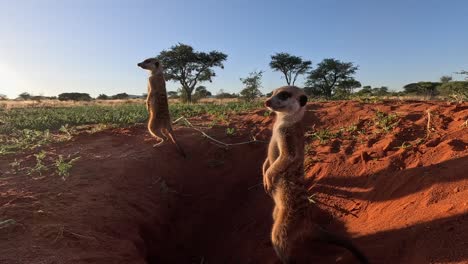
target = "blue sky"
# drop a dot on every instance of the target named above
(48, 47)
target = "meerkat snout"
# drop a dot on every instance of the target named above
(286, 99)
(151, 64)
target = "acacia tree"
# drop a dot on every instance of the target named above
(252, 83)
(291, 66)
(422, 88)
(346, 87)
(188, 67)
(329, 74)
(446, 79)
(25, 96)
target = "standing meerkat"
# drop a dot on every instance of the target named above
(159, 123)
(283, 179)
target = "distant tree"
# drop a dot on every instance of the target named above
(252, 85)
(365, 91)
(120, 96)
(445, 79)
(74, 97)
(3, 97)
(291, 66)
(382, 91)
(329, 74)
(457, 90)
(24, 96)
(38, 98)
(313, 91)
(422, 88)
(222, 95)
(102, 97)
(188, 67)
(202, 92)
(346, 87)
(173, 94)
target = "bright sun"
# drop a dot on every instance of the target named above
(10, 82)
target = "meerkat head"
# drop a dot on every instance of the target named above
(287, 100)
(151, 64)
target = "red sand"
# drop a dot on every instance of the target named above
(125, 202)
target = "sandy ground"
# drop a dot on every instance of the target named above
(126, 202)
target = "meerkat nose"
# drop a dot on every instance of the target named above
(268, 103)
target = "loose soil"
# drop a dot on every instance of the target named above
(400, 196)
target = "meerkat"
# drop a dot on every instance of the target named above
(159, 123)
(283, 178)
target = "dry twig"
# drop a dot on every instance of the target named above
(226, 145)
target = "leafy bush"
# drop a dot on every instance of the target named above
(74, 97)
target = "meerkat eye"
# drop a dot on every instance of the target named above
(303, 100)
(283, 95)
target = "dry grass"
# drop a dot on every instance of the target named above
(11, 104)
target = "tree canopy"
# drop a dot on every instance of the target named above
(291, 66)
(346, 87)
(457, 90)
(188, 67)
(252, 85)
(121, 96)
(102, 97)
(422, 88)
(25, 96)
(74, 97)
(445, 79)
(202, 92)
(329, 74)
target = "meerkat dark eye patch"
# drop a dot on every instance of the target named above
(283, 95)
(303, 100)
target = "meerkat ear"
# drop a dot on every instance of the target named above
(303, 100)
(156, 64)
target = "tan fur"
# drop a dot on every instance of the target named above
(159, 123)
(283, 178)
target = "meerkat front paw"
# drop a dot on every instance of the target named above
(267, 183)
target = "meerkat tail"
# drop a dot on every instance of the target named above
(330, 238)
(171, 135)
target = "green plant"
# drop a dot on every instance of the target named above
(230, 131)
(68, 131)
(63, 166)
(39, 167)
(385, 122)
(325, 135)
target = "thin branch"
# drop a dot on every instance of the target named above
(226, 145)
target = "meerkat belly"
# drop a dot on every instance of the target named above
(158, 102)
(273, 150)
(290, 196)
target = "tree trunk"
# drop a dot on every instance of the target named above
(188, 93)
